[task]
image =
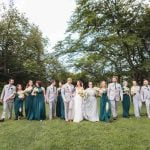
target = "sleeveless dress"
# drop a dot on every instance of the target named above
(60, 106)
(29, 109)
(90, 106)
(105, 109)
(18, 106)
(126, 103)
(78, 108)
(39, 105)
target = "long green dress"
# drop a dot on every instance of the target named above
(60, 106)
(18, 107)
(105, 113)
(29, 109)
(39, 105)
(126, 102)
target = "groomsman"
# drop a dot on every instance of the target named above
(115, 94)
(7, 98)
(51, 96)
(67, 94)
(145, 95)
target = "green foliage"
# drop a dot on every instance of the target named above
(109, 36)
(23, 53)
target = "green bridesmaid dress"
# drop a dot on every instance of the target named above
(126, 105)
(105, 113)
(29, 109)
(60, 106)
(18, 107)
(39, 105)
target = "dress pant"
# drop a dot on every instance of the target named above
(114, 108)
(147, 102)
(7, 108)
(69, 113)
(52, 109)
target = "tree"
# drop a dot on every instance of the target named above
(110, 36)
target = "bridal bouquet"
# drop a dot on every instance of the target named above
(82, 92)
(133, 90)
(21, 95)
(126, 89)
(97, 90)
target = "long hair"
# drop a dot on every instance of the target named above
(18, 86)
(28, 83)
(39, 83)
(102, 83)
(81, 83)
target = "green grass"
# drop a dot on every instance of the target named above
(123, 134)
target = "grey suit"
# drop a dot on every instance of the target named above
(67, 94)
(7, 96)
(145, 96)
(51, 95)
(115, 93)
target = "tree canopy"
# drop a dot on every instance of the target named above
(108, 37)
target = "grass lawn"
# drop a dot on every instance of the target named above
(123, 134)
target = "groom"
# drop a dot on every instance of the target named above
(7, 98)
(67, 94)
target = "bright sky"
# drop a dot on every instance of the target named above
(51, 16)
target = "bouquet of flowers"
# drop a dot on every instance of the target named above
(35, 90)
(82, 92)
(20, 109)
(126, 89)
(97, 90)
(21, 95)
(133, 90)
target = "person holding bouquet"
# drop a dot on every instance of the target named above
(126, 100)
(29, 100)
(90, 106)
(105, 107)
(39, 101)
(18, 102)
(60, 104)
(137, 102)
(78, 102)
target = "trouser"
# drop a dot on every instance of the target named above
(52, 109)
(7, 108)
(114, 107)
(147, 102)
(137, 106)
(68, 110)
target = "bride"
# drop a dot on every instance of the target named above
(78, 102)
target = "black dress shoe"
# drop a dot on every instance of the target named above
(2, 120)
(115, 118)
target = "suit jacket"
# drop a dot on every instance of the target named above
(8, 92)
(67, 92)
(145, 93)
(115, 91)
(51, 93)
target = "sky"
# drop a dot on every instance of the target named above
(50, 15)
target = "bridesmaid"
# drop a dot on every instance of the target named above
(90, 107)
(105, 111)
(60, 104)
(39, 101)
(18, 102)
(137, 102)
(126, 100)
(29, 101)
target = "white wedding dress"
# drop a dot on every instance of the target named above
(78, 108)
